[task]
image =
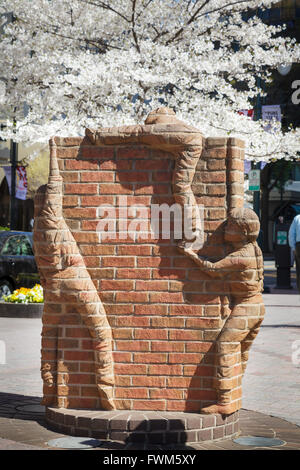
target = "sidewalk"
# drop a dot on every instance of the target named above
(271, 401)
(272, 380)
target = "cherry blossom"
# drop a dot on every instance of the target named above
(71, 64)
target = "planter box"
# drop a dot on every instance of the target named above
(12, 310)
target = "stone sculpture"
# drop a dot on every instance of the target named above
(156, 329)
(243, 270)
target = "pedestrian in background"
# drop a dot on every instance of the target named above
(294, 242)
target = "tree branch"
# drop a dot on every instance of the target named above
(93, 42)
(133, 26)
(106, 6)
(146, 6)
(196, 16)
(191, 19)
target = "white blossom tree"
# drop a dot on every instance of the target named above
(70, 64)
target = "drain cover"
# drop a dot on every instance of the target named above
(32, 408)
(71, 442)
(257, 441)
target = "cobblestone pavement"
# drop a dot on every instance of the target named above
(271, 402)
(22, 427)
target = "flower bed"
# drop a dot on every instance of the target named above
(23, 303)
(26, 296)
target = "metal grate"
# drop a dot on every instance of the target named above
(70, 442)
(257, 441)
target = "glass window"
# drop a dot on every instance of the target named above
(297, 172)
(12, 246)
(17, 246)
(26, 247)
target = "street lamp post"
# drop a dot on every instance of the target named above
(256, 165)
(13, 205)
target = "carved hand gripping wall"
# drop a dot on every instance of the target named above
(181, 326)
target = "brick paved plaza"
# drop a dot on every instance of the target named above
(271, 402)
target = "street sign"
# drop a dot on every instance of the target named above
(254, 180)
(282, 237)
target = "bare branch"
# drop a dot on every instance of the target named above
(146, 6)
(191, 19)
(106, 6)
(214, 10)
(98, 43)
(196, 16)
(133, 26)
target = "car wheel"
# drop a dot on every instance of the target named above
(5, 288)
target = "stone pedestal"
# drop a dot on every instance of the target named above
(131, 322)
(149, 427)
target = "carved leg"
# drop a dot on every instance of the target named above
(48, 366)
(233, 346)
(228, 366)
(247, 343)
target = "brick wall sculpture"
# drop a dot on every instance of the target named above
(142, 324)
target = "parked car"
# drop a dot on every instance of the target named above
(17, 263)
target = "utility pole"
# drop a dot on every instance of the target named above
(13, 202)
(256, 166)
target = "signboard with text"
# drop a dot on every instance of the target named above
(254, 180)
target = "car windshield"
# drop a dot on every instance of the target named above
(17, 245)
(3, 238)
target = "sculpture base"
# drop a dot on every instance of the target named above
(150, 427)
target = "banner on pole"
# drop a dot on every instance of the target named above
(270, 113)
(247, 166)
(21, 183)
(21, 186)
(247, 112)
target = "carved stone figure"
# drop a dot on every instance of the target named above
(176, 314)
(63, 275)
(243, 271)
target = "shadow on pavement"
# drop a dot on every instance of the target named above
(21, 407)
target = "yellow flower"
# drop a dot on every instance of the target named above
(25, 295)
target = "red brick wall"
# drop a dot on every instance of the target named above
(164, 313)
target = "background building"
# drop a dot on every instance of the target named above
(280, 181)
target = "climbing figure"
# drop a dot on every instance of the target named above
(242, 270)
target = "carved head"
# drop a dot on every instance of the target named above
(242, 225)
(161, 116)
